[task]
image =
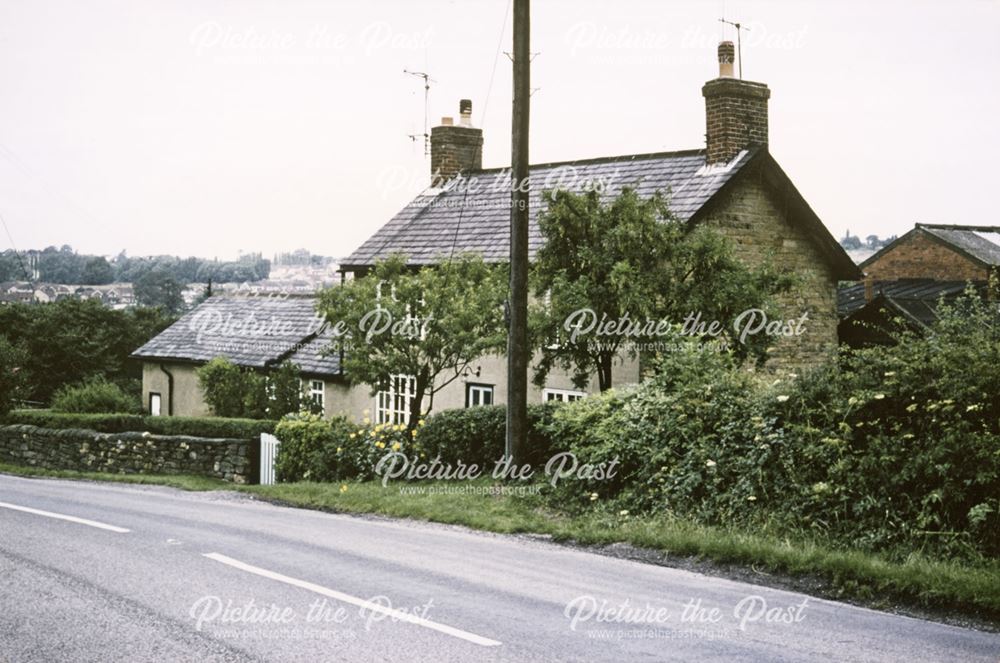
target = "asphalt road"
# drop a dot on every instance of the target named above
(164, 575)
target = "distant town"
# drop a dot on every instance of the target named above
(170, 282)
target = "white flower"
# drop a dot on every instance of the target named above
(782, 398)
(879, 397)
(709, 463)
(623, 512)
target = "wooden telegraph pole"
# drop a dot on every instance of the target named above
(517, 332)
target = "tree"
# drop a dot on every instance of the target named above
(428, 324)
(158, 288)
(12, 374)
(629, 260)
(97, 271)
(232, 391)
(70, 340)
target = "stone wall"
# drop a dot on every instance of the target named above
(127, 453)
(754, 218)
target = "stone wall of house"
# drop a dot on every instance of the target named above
(753, 217)
(126, 453)
(918, 256)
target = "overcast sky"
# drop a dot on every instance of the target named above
(208, 127)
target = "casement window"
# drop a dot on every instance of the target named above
(155, 404)
(478, 394)
(562, 395)
(317, 393)
(392, 403)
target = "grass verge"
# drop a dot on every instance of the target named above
(971, 589)
(182, 481)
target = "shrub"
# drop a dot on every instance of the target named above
(95, 395)
(317, 449)
(892, 448)
(243, 429)
(232, 391)
(477, 435)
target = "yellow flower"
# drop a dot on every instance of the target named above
(343, 487)
(371, 433)
(366, 421)
(396, 446)
(352, 435)
(420, 423)
(339, 449)
(413, 433)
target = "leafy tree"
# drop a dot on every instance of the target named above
(630, 257)
(12, 374)
(232, 391)
(429, 323)
(70, 340)
(97, 271)
(158, 288)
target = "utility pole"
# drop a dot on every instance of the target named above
(517, 331)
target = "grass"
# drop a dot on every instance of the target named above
(972, 589)
(182, 481)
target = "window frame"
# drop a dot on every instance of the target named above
(317, 396)
(392, 404)
(482, 388)
(562, 395)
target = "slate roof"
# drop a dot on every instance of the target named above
(980, 242)
(915, 299)
(256, 332)
(476, 218)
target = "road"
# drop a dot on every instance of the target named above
(110, 572)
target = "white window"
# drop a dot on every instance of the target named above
(317, 390)
(392, 404)
(478, 394)
(562, 395)
(154, 404)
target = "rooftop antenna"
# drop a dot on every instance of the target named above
(427, 92)
(739, 45)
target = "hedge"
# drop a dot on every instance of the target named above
(477, 435)
(244, 429)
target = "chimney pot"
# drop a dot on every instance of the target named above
(727, 55)
(455, 148)
(735, 112)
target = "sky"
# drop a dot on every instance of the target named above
(213, 127)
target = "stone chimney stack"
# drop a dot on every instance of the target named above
(735, 111)
(455, 148)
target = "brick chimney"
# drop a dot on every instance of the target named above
(455, 148)
(735, 111)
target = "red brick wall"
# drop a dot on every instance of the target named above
(918, 256)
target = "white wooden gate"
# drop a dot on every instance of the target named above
(268, 451)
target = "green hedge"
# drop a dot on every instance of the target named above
(477, 435)
(245, 429)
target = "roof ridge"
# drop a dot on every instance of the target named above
(594, 160)
(955, 226)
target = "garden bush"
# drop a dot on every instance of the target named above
(892, 448)
(94, 395)
(477, 435)
(317, 449)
